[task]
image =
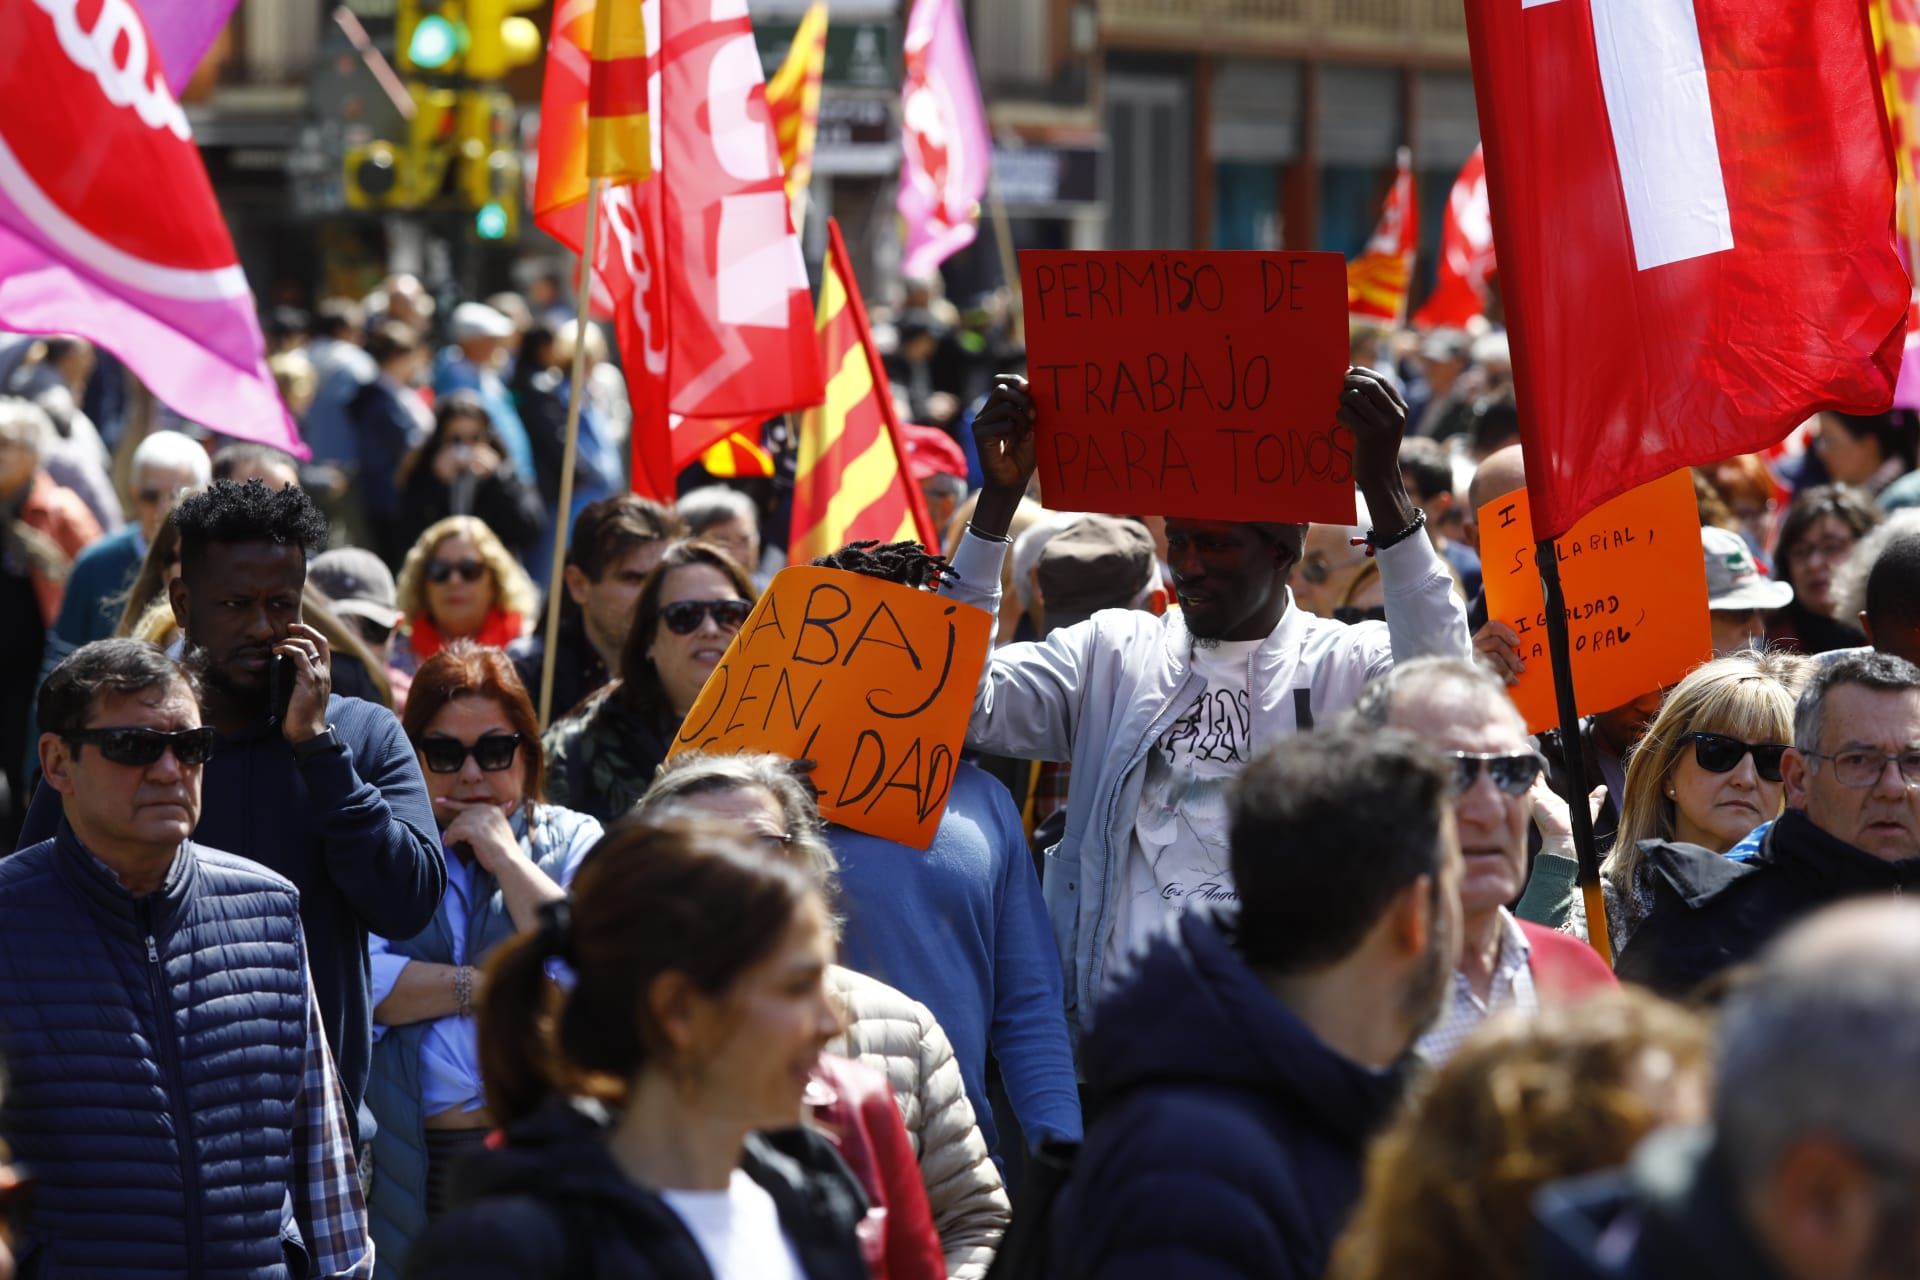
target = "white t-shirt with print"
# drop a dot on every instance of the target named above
(738, 1231)
(1178, 854)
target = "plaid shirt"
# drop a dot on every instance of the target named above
(326, 1194)
(1512, 989)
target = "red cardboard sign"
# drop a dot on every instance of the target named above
(1190, 384)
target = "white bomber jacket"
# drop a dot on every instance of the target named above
(1101, 692)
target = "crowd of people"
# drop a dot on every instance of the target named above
(355, 929)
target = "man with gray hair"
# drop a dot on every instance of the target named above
(167, 466)
(728, 519)
(1462, 711)
(1852, 827)
(1811, 1169)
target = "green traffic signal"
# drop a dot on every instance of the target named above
(491, 221)
(435, 43)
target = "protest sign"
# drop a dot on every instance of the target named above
(1635, 584)
(871, 680)
(1190, 384)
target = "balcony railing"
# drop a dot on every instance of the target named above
(1432, 29)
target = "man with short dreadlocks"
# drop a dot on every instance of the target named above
(1159, 715)
(961, 928)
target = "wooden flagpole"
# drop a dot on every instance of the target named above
(575, 397)
(1574, 747)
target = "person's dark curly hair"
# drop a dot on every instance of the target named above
(227, 512)
(907, 563)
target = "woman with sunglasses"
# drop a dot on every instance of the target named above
(462, 469)
(473, 728)
(602, 757)
(459, 582)
(1707, 772)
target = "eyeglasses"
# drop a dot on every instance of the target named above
(683, 617)
(1862, 769)
(440, 572)
(1717, 753)
(776, 841)
(144, 746)
(1804, 552)
(449, 755)
(1511, 773)
(153, 497)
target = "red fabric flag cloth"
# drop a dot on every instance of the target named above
(851, 479)
(1377, 280)
(108, 225)
(1693, 201)
(698, 264)
(1466, 253)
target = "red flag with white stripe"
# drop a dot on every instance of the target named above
(1693, 201)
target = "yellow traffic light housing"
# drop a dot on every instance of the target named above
(375, 177)
(498, 39)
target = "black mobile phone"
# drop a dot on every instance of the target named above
(279, 688)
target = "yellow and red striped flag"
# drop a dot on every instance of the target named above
(1377, 280)
(740, 456)
(851, 481)
(619, 134)
(793, 99)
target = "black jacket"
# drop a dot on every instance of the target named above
(552, 1203)
(577, 672)
(1709, 913)
(1671, 1215)
(1554, 749)
(1228, 1140)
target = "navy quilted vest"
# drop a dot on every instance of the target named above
(155, 1049)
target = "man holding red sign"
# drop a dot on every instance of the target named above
(1158, 715)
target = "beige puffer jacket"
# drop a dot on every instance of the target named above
(899, 1036)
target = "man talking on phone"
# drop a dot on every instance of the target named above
(323, 789)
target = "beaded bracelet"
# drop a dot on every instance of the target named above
(1373, 542)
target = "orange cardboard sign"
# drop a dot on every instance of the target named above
(870, 680)
(1635, 584)
(1202, 385)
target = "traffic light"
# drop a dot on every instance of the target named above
(430, 36)
(489, 181)
(374, 176)
(498, 39)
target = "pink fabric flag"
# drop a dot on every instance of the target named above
(108, 225)
(183, 31)
(944, 131)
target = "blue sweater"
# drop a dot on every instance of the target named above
(962, 929)
(354, 832)
(99, 578)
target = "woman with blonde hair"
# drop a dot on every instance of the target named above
(1526, 1101)
(459, 582)
(1706, 773)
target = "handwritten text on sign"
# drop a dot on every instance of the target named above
(1635, 586)
(871, 680)
(1190, 384)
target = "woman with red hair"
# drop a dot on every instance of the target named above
(508, 853)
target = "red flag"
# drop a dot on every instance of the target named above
(1377, 280)
(699, 263)
(1694, 203)
(850, 478)
(108, 225)
(1466, 253)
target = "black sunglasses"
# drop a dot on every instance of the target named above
(492, 753)
(1717, 753)
(144, 746)
(1512, 774)
(683, 616)
(442, 571)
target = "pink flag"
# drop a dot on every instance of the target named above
(183, 31)
(108, 225)
(944, 131)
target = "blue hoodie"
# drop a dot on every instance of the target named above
(1227, 1139)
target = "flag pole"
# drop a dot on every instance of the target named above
(575, 396)
(1574, 750)
(1009, 261)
